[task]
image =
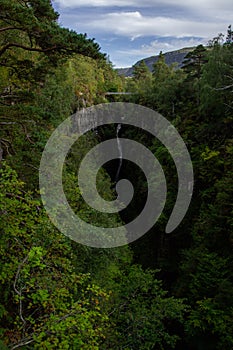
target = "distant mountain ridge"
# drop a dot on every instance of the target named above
(176, 56)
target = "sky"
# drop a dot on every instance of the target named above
(130, 30)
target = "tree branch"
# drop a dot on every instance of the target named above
(18, 273)
(23, 343)
(224, 88)
(8, 123)
(12, 195)
(8, 145)
(1, 152)
(23, 127)
(19, 292)
(8, 45)
(227, 105)
(9, 28)
(27, 341)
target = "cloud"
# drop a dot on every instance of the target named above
(156, 46)
(128, 56)
(198, 5)
(97, 3)
(122, 26)
(134, 24)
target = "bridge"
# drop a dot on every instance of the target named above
(117, 93)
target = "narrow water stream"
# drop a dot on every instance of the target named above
(120, 153)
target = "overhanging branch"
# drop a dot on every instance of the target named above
(35, 49)
(4, 29)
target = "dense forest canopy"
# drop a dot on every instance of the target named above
(161, 292)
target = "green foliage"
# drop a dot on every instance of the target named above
(35, 83)
(140, 84)
(145, 316)
(196, 260)
(51, 306)
(33, 27)
(193, 66)
(141, 71)
(207, 319)
(194, 62)
(167, 87)
(57, 294)
(216, 88)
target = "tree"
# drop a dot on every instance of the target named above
(206, 265)
(48, 302)
(216, 87)
(160, 68)
(193, 65)
(145, 316)
(32, 45)
(229, 38)
(194, 61)
(32, 26)
(141, 71)
(140, 84)
(166, 86)
(45, 302)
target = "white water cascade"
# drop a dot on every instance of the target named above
(120, 153)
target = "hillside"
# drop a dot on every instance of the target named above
(170, 57)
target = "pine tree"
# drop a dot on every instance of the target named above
(141, 71)
(194, 61)
(229, 38)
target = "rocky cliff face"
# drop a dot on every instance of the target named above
(170, 57)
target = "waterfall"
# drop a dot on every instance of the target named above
(120, 153)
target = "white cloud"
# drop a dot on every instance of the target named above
(96, 3)
(165, 46)
(198, 5)
(183, 21)
(134, 24)
(127, 57)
